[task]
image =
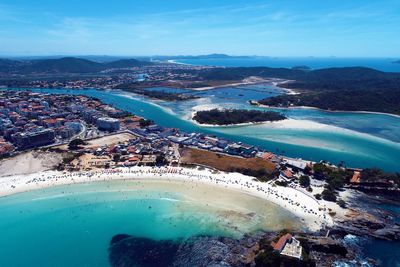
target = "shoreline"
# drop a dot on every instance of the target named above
(304, 206)
(331, 111)
(245, 82)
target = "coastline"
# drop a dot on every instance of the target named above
(304, 206)
(331, 111)
(245, 82)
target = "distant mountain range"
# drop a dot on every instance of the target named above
(65, 65)
(209, 56)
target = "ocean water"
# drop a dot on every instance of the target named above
(382, 64)
(386, 253)
(73, 225)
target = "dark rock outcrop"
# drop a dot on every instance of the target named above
(127, 250)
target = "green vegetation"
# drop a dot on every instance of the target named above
(378, 175)
(76, 144)
(68, 157)
(328, 195)
(335, 179)
(304, 181)
(136, 88)
(235, 116)
(127, 63)
(268, 257)
(64, 65)
(341, 203)
(166, 96)
(144, 122)
(161, 160)
(352, 89)
(379, 100)
(281, 183)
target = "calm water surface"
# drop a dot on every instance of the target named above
(382, 64)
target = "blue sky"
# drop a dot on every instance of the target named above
(356, 28)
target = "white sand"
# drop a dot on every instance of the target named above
(28, 163)
(247, 81)
(301, 204)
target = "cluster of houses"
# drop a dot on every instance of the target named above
(114, 77)
(135, 151)
(29, 119)
(198, 140)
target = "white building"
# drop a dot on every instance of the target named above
(108, 124)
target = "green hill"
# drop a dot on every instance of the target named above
(127, 63)
(64, 65)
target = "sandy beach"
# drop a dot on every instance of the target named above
(29, 163)
(301, 204)
(247, 81)
(330, 111)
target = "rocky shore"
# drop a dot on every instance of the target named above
(334, 246)
(127, 250)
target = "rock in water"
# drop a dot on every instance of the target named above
(130, 251)
(202, 251)
(198, 251)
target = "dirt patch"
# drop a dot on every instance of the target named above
(223, 162)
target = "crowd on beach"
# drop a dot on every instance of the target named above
(296, 201)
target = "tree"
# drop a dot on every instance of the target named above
(268, 257)
(336, 180)
(328, 195)
(304, 181)
(160, 160)
(75, 144)
(144, 122)
(341, 203)
(116, 157)
(317, 196)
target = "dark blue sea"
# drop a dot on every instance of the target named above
(382, 64)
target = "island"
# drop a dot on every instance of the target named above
(235, 116)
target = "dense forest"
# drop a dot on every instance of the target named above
(235, 116)
(379, 100)
(161, 95)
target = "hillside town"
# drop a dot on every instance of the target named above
(110, 78)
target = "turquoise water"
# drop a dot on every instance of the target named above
(382, 64)
(73, 225)
(360, 140)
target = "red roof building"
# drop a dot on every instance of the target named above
(282, 242)
(356, 177)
